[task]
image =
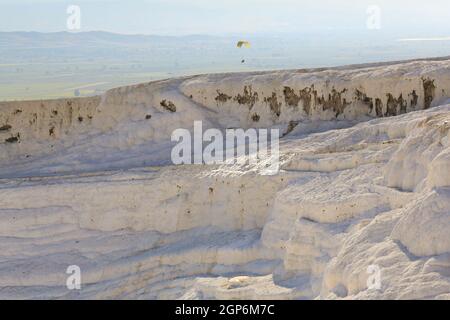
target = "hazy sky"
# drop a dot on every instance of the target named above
(408, 18)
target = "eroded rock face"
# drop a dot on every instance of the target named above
(304, 96)
(395, 106)
(222, 97)
(29, 120)
(248, 97)
(168, 105)
(6, 127)
(324, 94)
(429, 89)
(414, 98)
(255, 117)
(334, 102)
(290, 98)
(274, 105)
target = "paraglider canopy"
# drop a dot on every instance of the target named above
(242, 43)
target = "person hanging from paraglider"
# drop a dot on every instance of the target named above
(243, 44)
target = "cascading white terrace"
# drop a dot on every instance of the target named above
(364, 183)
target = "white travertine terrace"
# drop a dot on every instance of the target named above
(364, 181)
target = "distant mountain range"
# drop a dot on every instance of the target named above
(38, 39)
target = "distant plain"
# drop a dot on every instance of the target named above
(54, 65)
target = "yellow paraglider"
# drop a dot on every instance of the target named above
(244, 44)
